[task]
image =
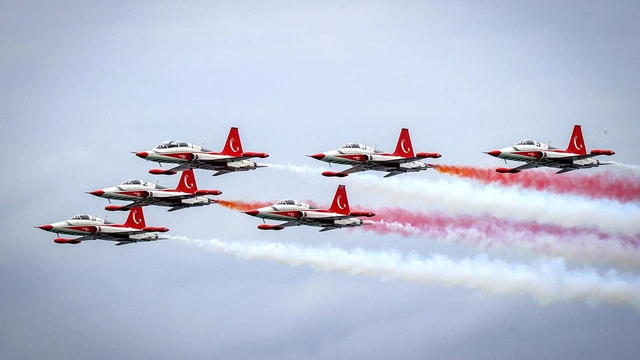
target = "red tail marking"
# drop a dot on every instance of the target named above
(187, 182)
(340, 203)
(135, 219)
(233, 147)
(576, 143)
(404, 147)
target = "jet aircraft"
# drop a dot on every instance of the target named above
(144, 193)
(189, 156)
(536, 154)
(296, 213)
(94, 228)
(363, 158)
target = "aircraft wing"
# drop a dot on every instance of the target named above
(179, 168)
(325, 223)
(85, 238)
(174, 208)
(393, 173)
(562, 165)
(173, 201)
(355, 169)
(220, 165)
(222, 172)
(327, 228)
(531, 165)
(133, 241)
(125, 242)
(399, 161)
(566, 169)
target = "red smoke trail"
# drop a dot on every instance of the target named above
(594, 185)
(490, 228)
(243, 205)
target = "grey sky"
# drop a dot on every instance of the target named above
(82, 85)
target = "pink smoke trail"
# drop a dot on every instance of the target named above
(594, 185)
(487, 231)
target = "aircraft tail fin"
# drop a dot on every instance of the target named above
(340, 203)
(187, 182)
(135, 219)
(576, 143)
(404, 147)
(233, 146)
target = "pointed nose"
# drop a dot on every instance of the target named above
(493, 152)
(97, 192)
(317, 156)
(251, 212)
(45, 227)
(142, 154)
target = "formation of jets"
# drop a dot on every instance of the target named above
(233, 158)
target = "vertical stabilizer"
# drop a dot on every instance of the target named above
(404, 147)
(233, 147)
(135, 219)
(340, 203)
(187, 182)
(576, 143)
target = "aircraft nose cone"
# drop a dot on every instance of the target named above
(493, 152)
(251, 212)
(97, 192)
(45, 227)
(142, 154)
(317, 156)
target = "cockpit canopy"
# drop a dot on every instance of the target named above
(358, 146)
(142, 183)
(533, 143)
(288, 202)
(133, 182)
(293, 203)
(179, 144)
(87, 218)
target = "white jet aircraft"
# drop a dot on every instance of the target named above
(144, 193)
(363, 158)
(536, 154)
(93, 228)
(296, 213)
(189, 156)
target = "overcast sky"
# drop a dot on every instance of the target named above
(82, 85)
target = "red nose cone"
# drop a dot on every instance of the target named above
(142, 154)
(97, 192)
(493, 152)
(46, 227)
(251, 212)
(317, 156)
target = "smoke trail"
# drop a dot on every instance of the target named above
(512, 203)
(461, 197)
(243, 205)
(485, 231)
(607, 185)
(631, 168)
(547, 281)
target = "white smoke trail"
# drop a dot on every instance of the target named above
(459, 196)
(547, 281)
(579, 248)
(635, 169)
